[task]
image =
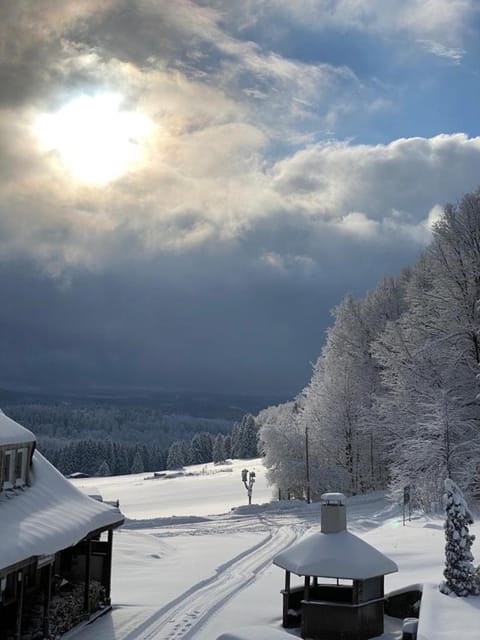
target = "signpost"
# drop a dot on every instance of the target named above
(406, 501)
(248, 480)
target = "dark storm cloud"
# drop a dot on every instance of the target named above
(134, 329)
(195, 299)
(33, 45)
(147, 33)
(212, 320)
(213, 265)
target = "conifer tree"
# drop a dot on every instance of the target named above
(249, 437)
(103, 470)
(218, 453)
(137, 464)
(245, 438)
(227, 443)
(201, 448)
(459, 570)
(175, 459)
(121, 459)
(235, 441)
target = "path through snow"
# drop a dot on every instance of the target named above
(183, 577)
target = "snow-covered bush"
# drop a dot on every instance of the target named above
(460, 573)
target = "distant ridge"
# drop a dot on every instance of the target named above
(196, 404)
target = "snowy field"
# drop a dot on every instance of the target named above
(194, 561)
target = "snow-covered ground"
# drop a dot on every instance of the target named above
(194, 561)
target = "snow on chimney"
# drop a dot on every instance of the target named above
(334, 512)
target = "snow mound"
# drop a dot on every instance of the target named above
(445, 617)
(151, 523)
(255, 633)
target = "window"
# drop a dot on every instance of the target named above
(8, 469)
(7, 588)
(20, 467)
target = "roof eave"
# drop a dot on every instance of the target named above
(344, 576)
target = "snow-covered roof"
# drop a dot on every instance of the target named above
(444, 617)
(333, 498)
(13, 433)
(335, 555)
(48, 516)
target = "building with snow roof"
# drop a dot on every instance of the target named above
(56, 543)
(342, 597)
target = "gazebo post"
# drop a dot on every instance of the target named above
(307, 588)
(286, 598)
(86, 592)
(108, 566)
(20, 593)
(47, 591)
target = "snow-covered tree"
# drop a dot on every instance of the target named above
(336, 411)
(104, 470)
(282, 440)
(218, 453)
(235, 440)
(338, 405)
(394, 394)
(431, 434)
(430, 359)
(249, 431)
(187, 452)
(201, 448)
(227, 443)
(122, 465)
(175, 459)
(137, 464)
(459, 570)
(245, 438)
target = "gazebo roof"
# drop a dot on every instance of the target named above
(335, 555)
(13, 433)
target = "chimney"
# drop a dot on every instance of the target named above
(334, 512)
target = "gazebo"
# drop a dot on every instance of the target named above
(343, 593)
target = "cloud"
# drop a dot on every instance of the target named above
(159, 324)
(334, 179)
(442, 19)
(441, 27)
(435, 48)
(358, 224)
(213, 183)
(32, 37)
(256, 207)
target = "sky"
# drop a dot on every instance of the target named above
(187, 188)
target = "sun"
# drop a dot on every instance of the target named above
(95, 139)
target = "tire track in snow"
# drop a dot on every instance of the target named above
(184, 615)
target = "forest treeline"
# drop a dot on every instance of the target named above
(393, 397)
(119, 440)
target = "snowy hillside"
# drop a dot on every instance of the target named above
(188, 566)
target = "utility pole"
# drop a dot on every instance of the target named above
(372, 473)
(307, 464)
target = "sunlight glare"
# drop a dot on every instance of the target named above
(95, 139)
